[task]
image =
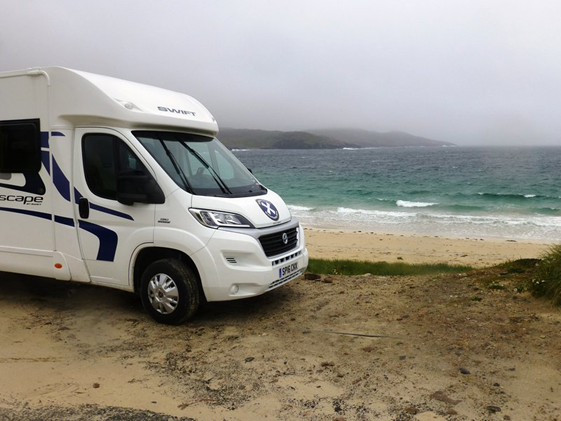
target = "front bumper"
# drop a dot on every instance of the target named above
(241, 267)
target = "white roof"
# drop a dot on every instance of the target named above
(78, 98)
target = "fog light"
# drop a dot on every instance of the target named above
(234, 290)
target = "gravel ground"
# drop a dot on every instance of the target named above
(449, 347)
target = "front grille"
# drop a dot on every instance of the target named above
(286, 258)
(273, 244)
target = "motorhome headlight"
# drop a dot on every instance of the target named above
(216, 219)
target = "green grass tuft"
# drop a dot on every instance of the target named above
(519, 266)
(546, 279)
(352, 267)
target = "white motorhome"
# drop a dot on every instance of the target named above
(124, 185)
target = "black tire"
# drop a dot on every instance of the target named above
(169, 291)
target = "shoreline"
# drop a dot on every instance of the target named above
(418, 248)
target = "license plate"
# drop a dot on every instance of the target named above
(287, 270)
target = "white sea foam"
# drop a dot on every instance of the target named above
(423, 221)
(296, 208)
(407, 204)
(350, 210)
(385, 215)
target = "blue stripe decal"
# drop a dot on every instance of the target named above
(45, 140)
(45, 154)
(28, 212)
(78, 196)
(46, 161)
(110, 211)
(61, 182)
(60, 219)
(107, 240)
(33, 184)
(64, 220)
(63, 186)
(57, 134)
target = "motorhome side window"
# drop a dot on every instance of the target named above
(105, 157)
(20, 146)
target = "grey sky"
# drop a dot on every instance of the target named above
(469, 72)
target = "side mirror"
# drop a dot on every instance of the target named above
(135, 186)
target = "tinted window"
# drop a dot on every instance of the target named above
(105, 156)
(20, 146)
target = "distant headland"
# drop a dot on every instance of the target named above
(321, 139)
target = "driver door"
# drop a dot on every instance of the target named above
(109, 231)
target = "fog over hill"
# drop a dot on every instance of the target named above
(321, 139)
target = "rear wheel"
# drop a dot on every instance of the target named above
(169, 291)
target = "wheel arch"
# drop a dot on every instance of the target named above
(149, 255)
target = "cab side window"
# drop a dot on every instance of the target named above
(105, 157)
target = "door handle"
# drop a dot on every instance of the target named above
(84, 208)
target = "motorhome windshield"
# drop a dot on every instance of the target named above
(200, 165)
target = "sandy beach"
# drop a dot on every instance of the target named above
(364, 245)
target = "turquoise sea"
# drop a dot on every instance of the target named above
(512, 193)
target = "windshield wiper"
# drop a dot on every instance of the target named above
(178, 169)
(213, 173)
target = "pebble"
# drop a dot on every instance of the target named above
(411, 410)
(443, 397)
(493, 409)
(464, 371)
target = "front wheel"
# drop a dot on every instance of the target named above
(169, 291)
